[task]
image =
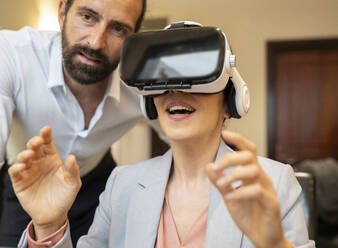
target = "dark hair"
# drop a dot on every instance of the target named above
(230, 99)
(69, 4)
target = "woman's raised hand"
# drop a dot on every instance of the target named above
(254, 206)
(45, 189)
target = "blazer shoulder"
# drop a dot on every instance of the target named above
(284, 180)
(282, 175)
(275, 169)
(137, 170)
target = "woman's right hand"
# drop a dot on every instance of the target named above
(45, 189)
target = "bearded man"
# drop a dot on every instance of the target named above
(66, 80)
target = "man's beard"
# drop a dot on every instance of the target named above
(83, 73)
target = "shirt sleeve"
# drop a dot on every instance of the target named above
(7, 94)
(47, 242)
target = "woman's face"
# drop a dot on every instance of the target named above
(186, 116)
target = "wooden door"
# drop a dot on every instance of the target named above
(303, 100)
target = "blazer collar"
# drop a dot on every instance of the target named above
(158, 171)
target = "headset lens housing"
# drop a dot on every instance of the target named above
(173, 58)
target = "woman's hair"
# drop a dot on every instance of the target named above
(228, 97)
(69, 4)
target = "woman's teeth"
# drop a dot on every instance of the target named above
(180, 110)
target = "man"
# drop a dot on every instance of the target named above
(66, 81)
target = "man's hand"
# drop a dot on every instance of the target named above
(254, 206)
(45, 189)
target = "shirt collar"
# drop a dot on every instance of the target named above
(56, 77)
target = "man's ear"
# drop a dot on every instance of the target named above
(62, 13)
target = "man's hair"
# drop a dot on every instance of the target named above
(69, 4)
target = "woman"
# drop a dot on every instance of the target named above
(195, 195)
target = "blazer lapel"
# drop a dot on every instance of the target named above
(221, 229)
(146, 204)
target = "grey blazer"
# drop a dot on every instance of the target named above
(130, 207)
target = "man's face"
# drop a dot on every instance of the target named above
(92, 36)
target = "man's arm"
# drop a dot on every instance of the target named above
(7, 93)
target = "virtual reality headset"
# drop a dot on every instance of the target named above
(185, 57)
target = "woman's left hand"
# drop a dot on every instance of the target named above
(254, 206)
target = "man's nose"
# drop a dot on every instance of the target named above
(98, 38)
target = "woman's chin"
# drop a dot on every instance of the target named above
(187, 134)
(183, 135)
(179, 135)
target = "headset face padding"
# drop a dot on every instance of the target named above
(229, 100)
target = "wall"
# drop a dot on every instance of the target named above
(249, 24)
(17, 13)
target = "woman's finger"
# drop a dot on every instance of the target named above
(212, 173)
(239, 141)
(216, 177)
(245, 174)
(248, 192)
(234, 158)
(266, 198)
(254, 192)
(223, 187)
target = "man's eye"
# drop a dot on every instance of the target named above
(86, 17)
(119, 30)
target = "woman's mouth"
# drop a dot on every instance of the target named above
(179, 111)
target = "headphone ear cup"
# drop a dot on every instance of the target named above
(150, 108)
(230, 99)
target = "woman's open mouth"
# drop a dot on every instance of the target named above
(179, 111)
